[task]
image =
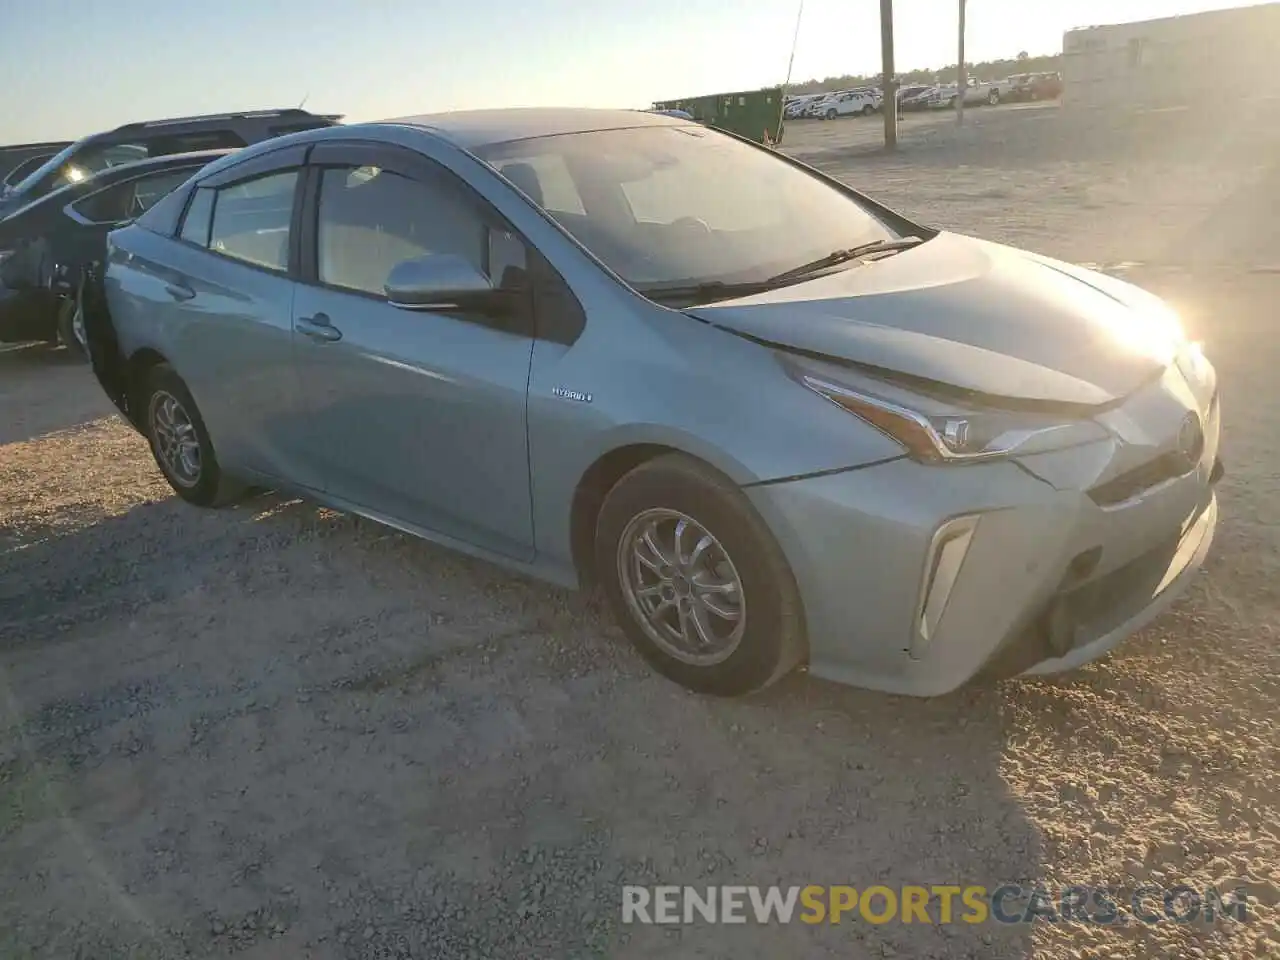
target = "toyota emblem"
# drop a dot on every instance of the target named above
(1190, 439)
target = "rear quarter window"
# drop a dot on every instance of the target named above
(195, 225)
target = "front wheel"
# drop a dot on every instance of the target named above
(831, 115)
(180, 442)
(696, 580)
(868, 110)
(993, 98)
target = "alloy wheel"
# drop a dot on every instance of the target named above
(681, 586)
(175, 438)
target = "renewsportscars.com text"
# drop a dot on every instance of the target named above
(935, 904)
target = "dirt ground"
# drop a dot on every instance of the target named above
(278, 732)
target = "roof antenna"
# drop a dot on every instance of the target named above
(303, 101)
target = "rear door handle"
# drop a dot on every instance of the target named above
(319, 327)
(179, 291)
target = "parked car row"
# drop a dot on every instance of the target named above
(862, 101)
(1014, 89)
(55, 218)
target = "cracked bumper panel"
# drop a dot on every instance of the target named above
(869, 551)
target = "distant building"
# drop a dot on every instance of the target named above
(1190, 60)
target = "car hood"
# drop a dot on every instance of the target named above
(971, 315)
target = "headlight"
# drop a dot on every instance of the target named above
(938, 432)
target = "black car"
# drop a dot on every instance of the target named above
(47, 244)
(21, 171)
(907, 97)
(13, 154)
(90, 155)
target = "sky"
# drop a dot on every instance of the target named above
(72, 67)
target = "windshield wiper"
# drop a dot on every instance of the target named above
(707, 290)
(723, 290)
(837, 257)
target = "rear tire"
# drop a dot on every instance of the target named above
(830, 115)
(71, 329)
(993, 98)
(180, 442)
(725, 618)
(868, 110)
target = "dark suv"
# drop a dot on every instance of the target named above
(153, 138)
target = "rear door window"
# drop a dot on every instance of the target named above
(251, 220)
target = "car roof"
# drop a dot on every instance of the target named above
(471, 129)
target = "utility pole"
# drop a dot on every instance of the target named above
(889, 83)
(962, 80)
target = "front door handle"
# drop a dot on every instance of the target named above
(319, 327)
(179, 291)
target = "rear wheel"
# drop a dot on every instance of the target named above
(696, 580)
(71, 328)
(993, 98)
(831, 114)
(180, 442)
(868, 110)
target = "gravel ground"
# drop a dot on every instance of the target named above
(275, 731)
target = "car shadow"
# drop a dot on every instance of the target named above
(71, 395)
(280, 717)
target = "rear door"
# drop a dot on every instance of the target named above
(227, 295)
(417, 416)
(78, 246)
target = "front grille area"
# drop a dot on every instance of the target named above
(1133, 482)
(1079, 614)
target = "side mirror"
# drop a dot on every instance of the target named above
(439, 281)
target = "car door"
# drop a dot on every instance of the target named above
(78, 247)
(226, 294)
(418, 416)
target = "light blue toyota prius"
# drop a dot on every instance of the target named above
(774, 421)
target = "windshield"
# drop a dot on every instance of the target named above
(677, 205)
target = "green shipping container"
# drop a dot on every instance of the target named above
(755, 114)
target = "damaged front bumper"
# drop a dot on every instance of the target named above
(916, 579)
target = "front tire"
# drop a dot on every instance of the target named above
(180, 442)
(868, 110)
(993, 98)
(830, 115)
(696, 580)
